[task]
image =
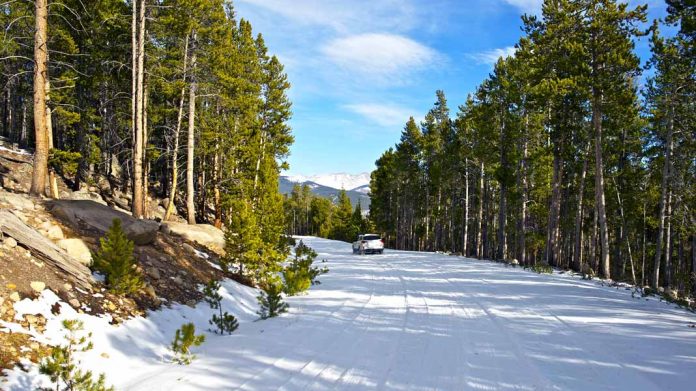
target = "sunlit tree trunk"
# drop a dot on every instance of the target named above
(177, 132)
(190, 147)
(38, 179)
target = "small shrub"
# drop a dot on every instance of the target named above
(542, 268)
(184, 339)
(225, 322)
(62, 367)
(115, 260)
(271, 302)
(300, 274)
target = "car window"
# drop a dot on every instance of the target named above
(371, 237)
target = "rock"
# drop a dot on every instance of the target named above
(110, 306)
(94, 216)
(67, 287)
(77, 249)
(177, 280)
(37, 286)
(10, 242)
(2, 301)
(34, 346)
(673, 294)
(153, 272)
(661, 290)
(191, 303)
(514, 262)
(150, 290)
(74, 303)
(204, 234)
(189, 248)
(86, 194)
(21, 216)
(14, 296)
(46, 225)
(31, 319)
(55, 233)
(105, 355)
(16, 201)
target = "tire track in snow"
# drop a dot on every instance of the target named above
(310, 337)
(311, 373)
(540, 380)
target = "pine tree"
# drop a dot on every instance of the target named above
(184, 339)
(271, 302)
(115, 259)
(224, 321)
(61, 366)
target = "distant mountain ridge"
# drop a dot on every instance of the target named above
(339, 180)
(356, 194)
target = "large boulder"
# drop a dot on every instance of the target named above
(16, 201)
(204, 234)
(90, 215)
(77, 249)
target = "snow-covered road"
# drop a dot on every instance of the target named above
(419, 321)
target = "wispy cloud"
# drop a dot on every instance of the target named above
(387, 58)
(383, 114)
(344, 16)
(527, 6)
(491, 56)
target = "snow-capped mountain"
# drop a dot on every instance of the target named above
(365, 189)
(337, 181)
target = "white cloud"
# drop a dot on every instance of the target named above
(385, 58)
(383, 114)
(491, 56)
(344, 16)
(527, 6)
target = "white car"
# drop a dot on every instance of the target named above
(368, 244)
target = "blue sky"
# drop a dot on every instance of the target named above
(360, 68)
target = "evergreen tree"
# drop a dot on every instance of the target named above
(184, 339)
(115, 259)
(224, 321)
(271, 302)
(61, 366)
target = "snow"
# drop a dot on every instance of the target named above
(17, 151)
(336, 181)
(365, 189)
(404, 321)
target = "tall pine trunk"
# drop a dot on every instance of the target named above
(465, 239)
(522, 183)
(139, 53)
(502, 208)
(577, 251)
(190, 147)
(604, 266)
(177, 132)
(38, 179)
(552, 245)
(663, 199)
(479, 220)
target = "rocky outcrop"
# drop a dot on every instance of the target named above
(204, 234)
(92, 216)
(43, 248)
(15, 201)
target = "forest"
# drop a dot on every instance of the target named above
(175, 100)
(569, 154)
